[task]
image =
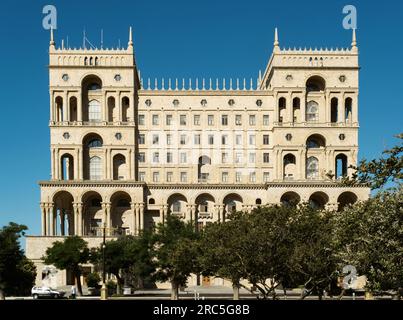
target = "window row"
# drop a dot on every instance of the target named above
(238, 157)
(225, 176)
(197, 139)
(183, 120)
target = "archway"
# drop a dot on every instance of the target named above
(92, 157)
(346, 199)
(315, 84)
(289, 166)
(318, 200)
(290, 198)
(91, 88)
(119, 167)
(232, 203)
(93, 214)
(121, 213)
(63, 215)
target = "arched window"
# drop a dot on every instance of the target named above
(94, 111)
(176, 206)
(312, 112)
(258, 201)
(231, 206)
(315, 84)
(119, 162)
(334, 110)
(59, 109)
(96, 61)
(67, 167)
(125, 108)
(315, 141)
(341, 165)
(85, 61)
(312, 168)
(282, 102)
(95, 143)
(296, 104)
(289, 166)
(95, 168)
(151, 201)
(348, 109)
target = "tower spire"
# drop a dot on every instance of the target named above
(276, 42)
(354, 42)
(130, 37)
(52, 41)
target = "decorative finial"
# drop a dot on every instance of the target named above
(354, 42)
(52, 41)
(276, 42)
(130, 37)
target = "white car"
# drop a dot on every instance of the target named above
(46, 292)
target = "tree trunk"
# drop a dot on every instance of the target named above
(174, 291)
(78, 281)
(235, 289)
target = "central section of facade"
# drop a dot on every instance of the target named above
(127, 152)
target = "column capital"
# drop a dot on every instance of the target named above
(106, 205)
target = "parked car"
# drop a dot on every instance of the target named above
(46, 292)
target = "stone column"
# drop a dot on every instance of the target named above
(162, 214)
(133, 218)
(340, 110)
(221, 212)
(43, 218)
(106, 169)
(52, 163)
(290, 108)
(276, 119)
(354, 110)
(328, 108)
(79, 222)
(80, 164)
(65, 107)
(52, 106)
(57, 176)
(129, 165)
(137, 214)
(51, 215)
(301, 165)
(76, 165)
(62, 216)
(119, 106)
(79, 107)
(303, 108)
(141, 213)
(107, 216)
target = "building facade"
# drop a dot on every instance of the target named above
(127, 152)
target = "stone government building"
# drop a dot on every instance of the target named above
(128, 152)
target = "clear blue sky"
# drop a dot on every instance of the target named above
(208, 38)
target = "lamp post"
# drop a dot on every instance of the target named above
(104, 292)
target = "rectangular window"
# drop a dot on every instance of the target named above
(169, 157)
(182, 120)
(224, 139)
(224, 157)
(252, 120)
(224, 177)
(169, 176)
(142, 138)
(266, 157)
(183, 139)
(252, 139)
(266, 139)
(211, 139)
(156, 176)
(141, 119)
(183, 156)
(155, 120)
(141, 157)
(238, 157)
(142, 176)
(196, 120)
(169, 139)
(238, 120)
(238, 139)
(252, 177)
(266, 176)
(184, 176)
(238, 176)
(224, 120)
(266, 120)
(156, 139)
(210, 120)
(156, 157)
(252, 157)
(197, 139)
(169, 119)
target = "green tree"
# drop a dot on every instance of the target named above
(221, 246)
(379, 172)
(17, 273)
(312, 261)
(126, 258)
(69, 255)
(369, 236)
(175, 250)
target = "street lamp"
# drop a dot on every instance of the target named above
(104, 292)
